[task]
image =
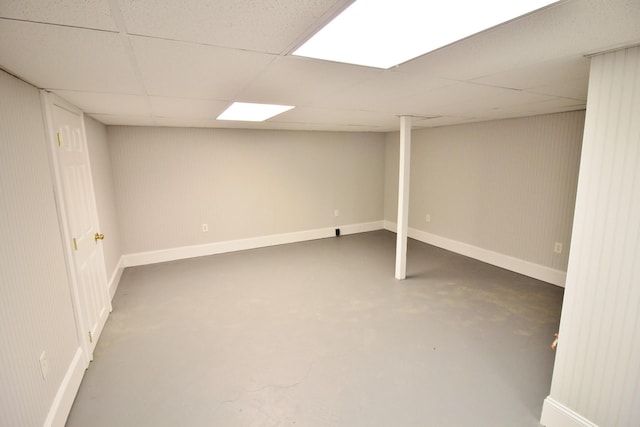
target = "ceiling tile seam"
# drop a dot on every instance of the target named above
(471, 82)
(79, 91)
(569, 98)
(17, 76)
(324, 124)
(554, 81)
(360, 110)
(375, 72)
(189, 98)
(116, 115)
(195, 43)
(117, 17)
(238, 97)
(618, 46)
(118, 20)
(126, 43)
(53, 24)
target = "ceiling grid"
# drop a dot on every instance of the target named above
(153, 62)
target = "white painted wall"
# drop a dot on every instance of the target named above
(596, 377)
(502, 190)
(35, 305)
(103, 183)
(242, 183)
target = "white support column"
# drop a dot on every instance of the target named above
(403, 197)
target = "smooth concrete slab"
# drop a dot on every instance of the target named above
(321, 334)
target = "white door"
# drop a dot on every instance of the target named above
(79, 221)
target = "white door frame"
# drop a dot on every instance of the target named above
(48, 100)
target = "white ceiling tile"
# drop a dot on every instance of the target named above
(86, 13)
(332, 115)
(180, 108)
(190, 122)
(544, 73)
(107, 103)
(268, 125)
(302, 126)
(300, 81)
(566, 28)
(187, 70)
(385, 92)
(56, 57)
(553, 105)
(124, 119)
(576, 89)
(440, 121)
(141, 80)
(263, 26)
(465, 99)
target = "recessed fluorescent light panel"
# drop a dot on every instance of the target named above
(249, 112)
(385, 33)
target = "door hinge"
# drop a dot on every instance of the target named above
(59, 140)
(75, 244)
(90, 337)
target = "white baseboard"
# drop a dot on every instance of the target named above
(555, 414)
(67, 391)
(527, 268)
(152, 257)
(115, 278)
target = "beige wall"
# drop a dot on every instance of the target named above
(104, 189)
(242, 183)
(35, 305)
(505, 186)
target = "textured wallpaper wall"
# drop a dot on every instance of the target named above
(103, 185)
(507, 186)
(35, 306)
(241, 183)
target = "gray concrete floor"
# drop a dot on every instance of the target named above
(321, 334)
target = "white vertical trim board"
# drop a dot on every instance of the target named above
(172, 254)
(527, 268)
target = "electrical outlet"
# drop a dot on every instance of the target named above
(557, 248)
(336, 213)
(44, 365)
(205, 228)
(427, 218)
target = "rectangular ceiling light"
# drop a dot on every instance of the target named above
(249, 112)
(385, 33)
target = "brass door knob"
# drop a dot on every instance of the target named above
(98, 237)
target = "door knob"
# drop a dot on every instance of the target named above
(98, 237)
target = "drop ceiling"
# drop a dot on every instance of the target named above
(181, 63)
